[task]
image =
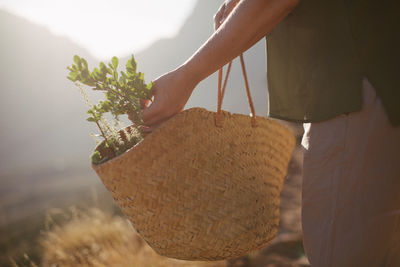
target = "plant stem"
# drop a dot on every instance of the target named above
(104, 136)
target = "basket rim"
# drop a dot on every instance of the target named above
(190, 110)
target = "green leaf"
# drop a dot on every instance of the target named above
(73, 76)
(105, 106)
(122, 80)
(94, 75)
(77, 60)
(96, 157)
(114, 61)
(91, 119)
(129, 71)
(109, 94)
(150, 85)
(85, 74)
(124, 75)
(84, 62)
(131, 65)
(141, 75)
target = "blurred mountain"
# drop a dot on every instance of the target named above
(42, 115)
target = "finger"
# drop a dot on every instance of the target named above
(149, 111)
(152, 115)
(217, 23)
(147, 129)
(219, 16)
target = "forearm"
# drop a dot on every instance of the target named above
(250, 21)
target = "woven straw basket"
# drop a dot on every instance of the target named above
(205, 185)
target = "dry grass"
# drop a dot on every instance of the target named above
(98, 239)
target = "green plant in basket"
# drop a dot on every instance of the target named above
(123, 93)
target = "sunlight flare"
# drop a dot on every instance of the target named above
(106, 27)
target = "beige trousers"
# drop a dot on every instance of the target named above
(351, 188)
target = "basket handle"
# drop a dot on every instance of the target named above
(221, 93)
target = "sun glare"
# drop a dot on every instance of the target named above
(105, 27)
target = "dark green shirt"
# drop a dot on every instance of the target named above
(318, 56)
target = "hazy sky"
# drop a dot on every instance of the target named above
(106, 27)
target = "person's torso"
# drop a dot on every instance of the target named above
(319, 54)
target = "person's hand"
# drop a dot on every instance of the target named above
(223, 12)
(171, 91)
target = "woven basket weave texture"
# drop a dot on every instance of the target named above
(195, 191)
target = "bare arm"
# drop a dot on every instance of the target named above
(249, 21)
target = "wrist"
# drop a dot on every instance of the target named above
(190, 74)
